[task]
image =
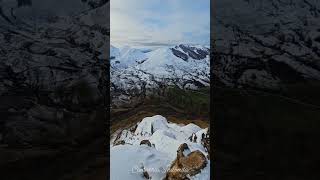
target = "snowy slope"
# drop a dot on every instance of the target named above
(129, 159)
(134, 72)
(114, 52)
(163, 62)
(125, 57)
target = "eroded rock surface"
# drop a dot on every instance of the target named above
(185, 166)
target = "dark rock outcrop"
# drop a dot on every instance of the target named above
(189, 51)
(205, 141)
(180, 54)
(146, 142)
(121, 142)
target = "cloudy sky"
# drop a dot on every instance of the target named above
(147, 23)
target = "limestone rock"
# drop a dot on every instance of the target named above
(186, 165)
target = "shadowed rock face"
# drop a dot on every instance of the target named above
(189, 51)
(193, 52)
(179, 54)
(119, 143)
(205, 141)
(184, 166)
(146, 142)
(193, 138)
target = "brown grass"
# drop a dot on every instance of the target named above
(132, 117)
(129, 121)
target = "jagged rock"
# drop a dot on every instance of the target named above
(179, 54)
(147, 142)
(146, 174)
(133, 129)
(193, 137)
(194, 162)
(205, 141)
(183, 147)
(194, 52)
(184, 166)
(121, 142)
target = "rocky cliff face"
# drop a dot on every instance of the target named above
(186, 51)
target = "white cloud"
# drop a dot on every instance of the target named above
(134, 22)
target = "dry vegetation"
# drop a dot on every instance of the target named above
(178, 106)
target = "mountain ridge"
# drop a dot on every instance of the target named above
(144, 73)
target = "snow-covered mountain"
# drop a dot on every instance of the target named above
(134, 72)
(266, 44)
(44, 60)
(150, 149)
(126, 57)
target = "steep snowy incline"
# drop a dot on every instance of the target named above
(114, 52)
(151, 147)
(125, 57)
(164, 62)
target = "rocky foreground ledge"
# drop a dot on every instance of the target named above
(157, 149)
